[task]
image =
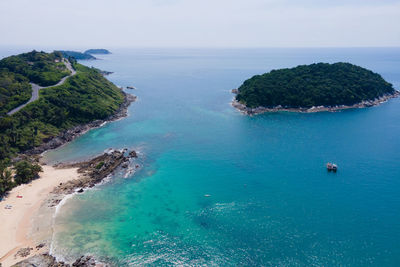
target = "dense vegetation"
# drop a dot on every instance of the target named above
(76, 55)
(14, 90)
(38, 67)
(6, 178)
(85, 97)
(24, 170)
(97, 51)
(319, 84)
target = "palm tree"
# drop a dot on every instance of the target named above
(5, 180)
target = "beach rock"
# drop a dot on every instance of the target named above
(46, 260)
(84, 261)
(95, 170)
(41, 245)
(42, 260)
(133, 154)
(23, 252)
(125, 165)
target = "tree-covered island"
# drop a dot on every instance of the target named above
(87, 55)
(97, 51)
(77, 55)
(311, 88)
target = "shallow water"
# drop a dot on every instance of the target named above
(271, 200)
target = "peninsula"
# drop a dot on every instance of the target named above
(47, 100)
(313, 88)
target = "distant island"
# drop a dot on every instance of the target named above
(76, 55)
(87, 55)
(312, 88)
(97, 51)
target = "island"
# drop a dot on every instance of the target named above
(313, 88)
(97, 51)
(77, 55)
(87, 55)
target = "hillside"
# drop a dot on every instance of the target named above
(41, 68)
(319, 84)
(16, 72)
(14, 90)
(83, 98)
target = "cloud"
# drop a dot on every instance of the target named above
(209, 23)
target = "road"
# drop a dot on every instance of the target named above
(36, 88)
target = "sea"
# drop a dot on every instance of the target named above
(215, 187)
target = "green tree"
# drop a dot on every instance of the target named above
(6, 182)
(319, 84)
(26, 171)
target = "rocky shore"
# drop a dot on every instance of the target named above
(46, 260)
(70, 134)
(90, 173)
(259, 110)
(95, 170)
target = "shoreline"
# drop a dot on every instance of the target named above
(19, 221)
(28, 225)
(70, 134)
(259, 110)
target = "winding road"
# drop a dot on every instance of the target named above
(36, 88)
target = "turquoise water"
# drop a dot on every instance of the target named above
(271, 200)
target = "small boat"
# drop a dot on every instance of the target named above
(207, 195)
(131, 87)
(331, 167)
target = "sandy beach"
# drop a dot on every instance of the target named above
(18, 229)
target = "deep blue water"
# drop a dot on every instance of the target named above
(272, 201)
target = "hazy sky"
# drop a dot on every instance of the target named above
(200, 23)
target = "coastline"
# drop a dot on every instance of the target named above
(28, 225)
(259, 110)
(70, 134)
(19, 221)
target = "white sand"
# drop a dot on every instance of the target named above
(16, 223)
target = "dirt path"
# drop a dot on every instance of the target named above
(36, 88)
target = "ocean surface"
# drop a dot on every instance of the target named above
(216, 187)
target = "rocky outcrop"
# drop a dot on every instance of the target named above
(95, 170)
(46, 260)
(105, 73)
(69, 135)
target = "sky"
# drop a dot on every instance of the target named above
(200, 23)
